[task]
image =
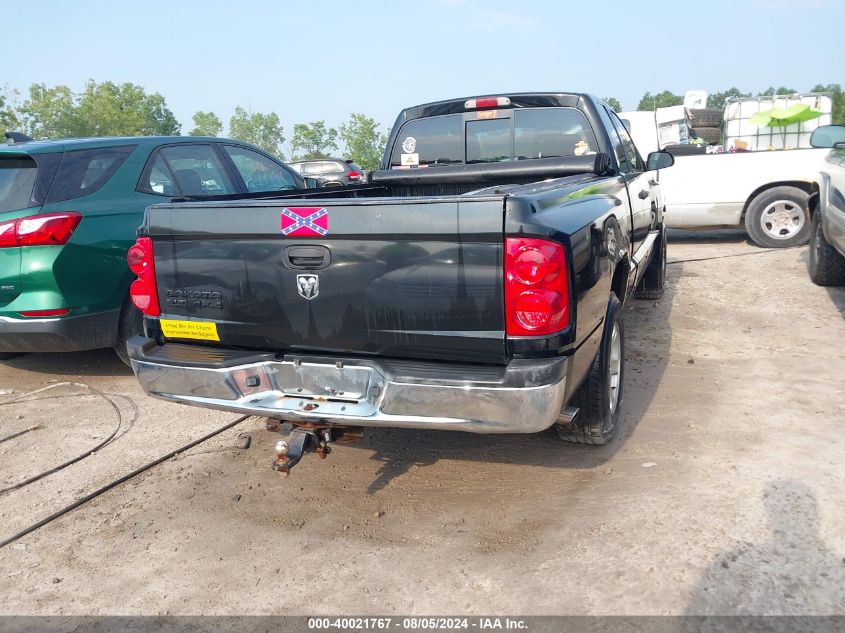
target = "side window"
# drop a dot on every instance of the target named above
(196, 170)
(616, 140)
(628, 143)
(334, 168)
(83, 172)
(259, 172)
(157, 178)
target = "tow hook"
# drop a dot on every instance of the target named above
(310, 439)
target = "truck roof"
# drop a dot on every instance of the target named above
(518, 99)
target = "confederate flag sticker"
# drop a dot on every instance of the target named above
(305, 221)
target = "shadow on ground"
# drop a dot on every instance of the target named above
(98, 362)
(648, 337)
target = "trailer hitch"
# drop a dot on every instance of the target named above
(310, 438)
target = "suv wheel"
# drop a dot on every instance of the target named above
(827, 265)
(131, 323)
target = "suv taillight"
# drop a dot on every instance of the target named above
(143, 291)
(46, 229)
(536, 287)
(353, 174)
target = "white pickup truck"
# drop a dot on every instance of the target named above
(767, 192)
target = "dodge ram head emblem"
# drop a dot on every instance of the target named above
(308, 286)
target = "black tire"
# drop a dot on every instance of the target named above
(685, 150)
(653, 283)
(710, 135)
(597, 421)
(779, 218)
(705, 117)
(131, 323)
(827, 265)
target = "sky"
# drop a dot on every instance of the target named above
(310, 61)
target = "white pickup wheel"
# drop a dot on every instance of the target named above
(778, 218)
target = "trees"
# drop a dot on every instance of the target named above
(258, 128)
(102, 109)
(772, 91)
(838, 101)
(718, 99)
(313, 140)
(614, 104)
(364, 143)
(206, 124)
(663, 99)
(8, 117)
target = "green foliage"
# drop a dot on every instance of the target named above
(258, 128)
(206, 124)
(772, 91)
(663, 99)
(102, 109)
(8, 117)
(313, 140)
(718, 99)
(838, 101)
(364, 143)
(614, 104)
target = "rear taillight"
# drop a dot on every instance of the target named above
(46, 229)
(536, 287)
(353, 174)
(143, 291)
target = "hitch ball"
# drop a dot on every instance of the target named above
(281, 448)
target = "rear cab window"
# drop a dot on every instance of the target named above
(490, 136)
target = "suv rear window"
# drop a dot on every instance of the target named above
(84, 172)
(519, 134)
(24, 180)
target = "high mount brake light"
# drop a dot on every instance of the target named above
(486, 102)
(536, 287)
(143, 291)
(45, 229)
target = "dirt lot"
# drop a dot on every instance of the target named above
(725, 492)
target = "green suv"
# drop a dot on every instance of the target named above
(68, 214)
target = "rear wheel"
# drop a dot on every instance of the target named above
(827, 265)
(599, 398)
(131, 323)
(778, 218)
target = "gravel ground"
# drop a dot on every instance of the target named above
(723, 494)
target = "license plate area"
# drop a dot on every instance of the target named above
(306, 386)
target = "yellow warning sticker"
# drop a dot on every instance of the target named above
(200, 330)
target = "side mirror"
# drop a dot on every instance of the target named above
(839, 145)
(311, 183)
(828, 136)
(659, 160)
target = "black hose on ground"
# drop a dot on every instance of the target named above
(119, 481)
(55, 469)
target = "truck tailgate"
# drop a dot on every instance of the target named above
(405, 278)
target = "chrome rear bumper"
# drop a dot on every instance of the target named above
(525, 396)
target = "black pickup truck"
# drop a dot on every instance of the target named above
(474, 283)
